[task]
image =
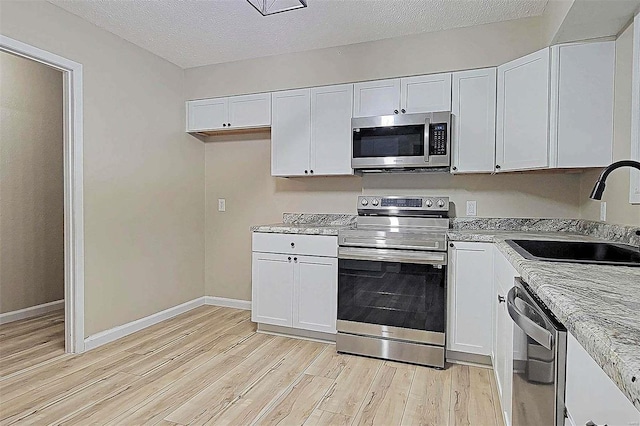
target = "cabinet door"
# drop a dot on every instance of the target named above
(250, 111)
(331, 109)
(381, 97)
(316, 293)
(581, 129)
(272, 289)
(473, 109)
(207, 114)
(522, 137)
(426, 93)
(503, 350)
(470, 298)
(290, 132)
(591, 395)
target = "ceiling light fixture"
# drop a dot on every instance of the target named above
(271, 7)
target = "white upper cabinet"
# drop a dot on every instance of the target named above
(522, 139)
(235, 112)
(473, 109)
(425, 93)
(311, 131)
(290, 132)
(582, 104)
(250, 111)
(206, 114)
(555, 108)
(380, 97)
(469, 325)
(331, 108)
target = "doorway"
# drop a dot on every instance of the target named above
(72, 188)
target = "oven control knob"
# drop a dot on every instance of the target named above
(364, 202)
(374, 202)
(441, 203)
(428, 203)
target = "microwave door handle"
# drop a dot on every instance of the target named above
(426, 140)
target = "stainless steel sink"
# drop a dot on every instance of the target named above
(577, 252)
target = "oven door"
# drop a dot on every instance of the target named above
(396, 294)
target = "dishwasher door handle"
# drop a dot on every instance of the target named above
(531, 329)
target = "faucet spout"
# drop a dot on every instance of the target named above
(598, 188)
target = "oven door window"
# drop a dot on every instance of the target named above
(402, 141)
(393, 294)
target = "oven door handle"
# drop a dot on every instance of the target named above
(401, 256)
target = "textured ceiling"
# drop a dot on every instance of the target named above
(191, 33)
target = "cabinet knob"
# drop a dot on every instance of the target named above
(454, 168)
(293, 245)
(306, 172)
(289, 258)
(224, 125)
(497, 166)
(450, 244)
(500, 299)
(403, 111)
(395, 111)
(311, 171)
(228, 124)
(295, 259)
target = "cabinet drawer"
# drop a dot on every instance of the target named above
(310, 245)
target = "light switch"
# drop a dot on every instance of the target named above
(222, 204)
(471, 208)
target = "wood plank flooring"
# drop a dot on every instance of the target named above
(209, 367)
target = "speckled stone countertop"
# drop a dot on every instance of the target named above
(309, 224)
(598, 304)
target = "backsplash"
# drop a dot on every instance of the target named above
(319, 219)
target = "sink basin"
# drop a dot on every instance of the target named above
(577, 252)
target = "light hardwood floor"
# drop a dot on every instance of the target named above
(209, 366)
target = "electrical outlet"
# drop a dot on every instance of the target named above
(222, 204)
(603, 210)
(471, 208)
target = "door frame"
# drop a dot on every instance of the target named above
(73, 186)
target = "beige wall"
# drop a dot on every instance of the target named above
(616, 195)
(31, 184)
(143, 177)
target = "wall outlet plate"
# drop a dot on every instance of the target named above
(222, 204)
(603, 210)
(472, 208)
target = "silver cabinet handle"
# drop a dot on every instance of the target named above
(533, 330)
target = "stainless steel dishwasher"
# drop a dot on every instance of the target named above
(539, 371)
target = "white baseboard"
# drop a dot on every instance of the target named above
(31, 312)
(228, 303)
(115, 333)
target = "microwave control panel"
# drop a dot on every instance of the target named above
(438, 139)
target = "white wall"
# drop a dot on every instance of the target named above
(31, 184)
(144, 178)
(616, 195)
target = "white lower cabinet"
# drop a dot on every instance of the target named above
(591, 396)
(503, 343)
(469, 326)
(315, 290)
(292, 290)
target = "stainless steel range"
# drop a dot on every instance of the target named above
(392, 280)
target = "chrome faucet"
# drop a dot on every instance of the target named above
(598, 188)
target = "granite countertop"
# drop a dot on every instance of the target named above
(309, 224)
(598, 304)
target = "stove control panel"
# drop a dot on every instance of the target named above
(393, 205)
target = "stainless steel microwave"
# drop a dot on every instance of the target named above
(403, 141)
